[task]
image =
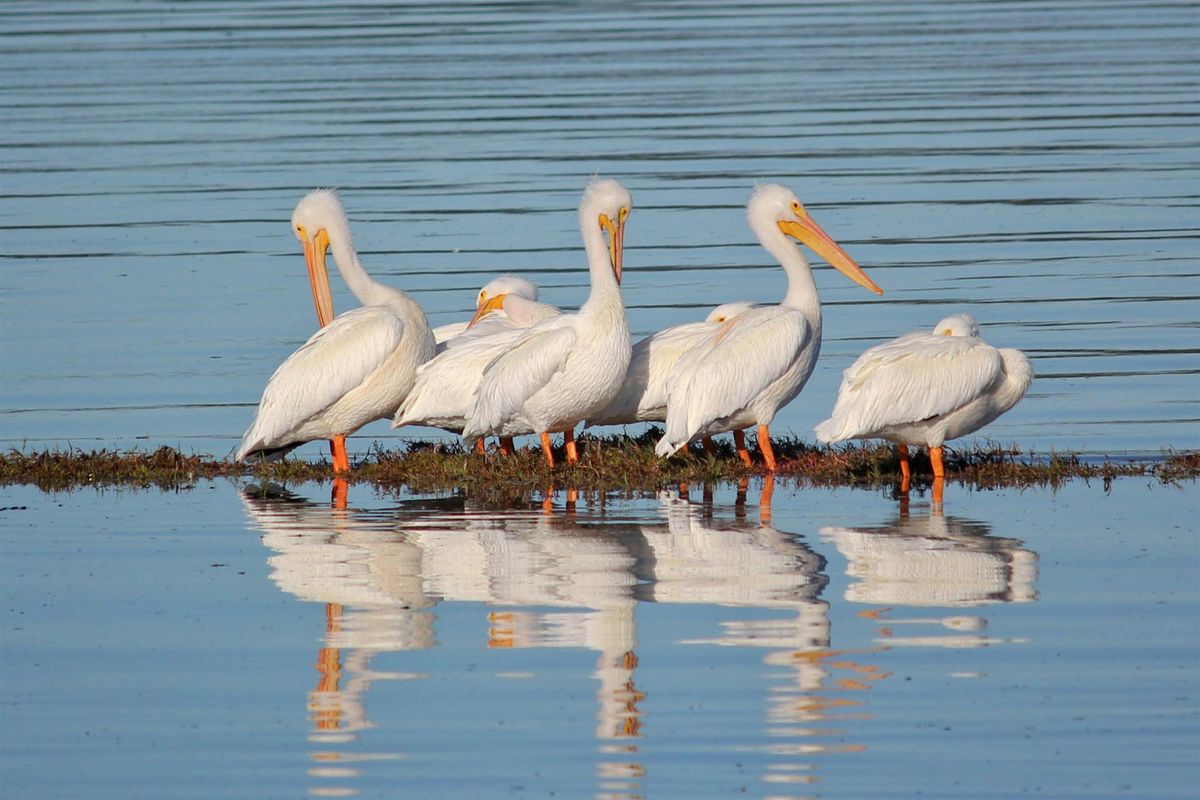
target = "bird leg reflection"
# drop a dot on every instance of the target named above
(939, 475)
(327, 716)
(339, 494)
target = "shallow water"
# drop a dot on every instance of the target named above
(1033, 164)
(254, 642)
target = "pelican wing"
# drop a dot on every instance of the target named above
(516, 374)
(730, 367)
(335, 360)
(443, 393)
(913, 378)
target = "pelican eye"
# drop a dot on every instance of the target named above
(624, 214)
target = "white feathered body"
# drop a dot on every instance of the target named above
(643, 394)
(444, 391)
(555, 374)
(742, 373)
(355, 370)
(926, 388)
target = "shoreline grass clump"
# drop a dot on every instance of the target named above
(607, 463)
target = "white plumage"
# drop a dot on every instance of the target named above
(563, 369)
(356, 369)
(751, 366)
(926, 388)
(643, 395)
(444, 392)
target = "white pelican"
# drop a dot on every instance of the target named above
(444, 391)
(924, 388)
(357, 368)
(643, 395)
(754, 364)
(513, 295)
(564, 369)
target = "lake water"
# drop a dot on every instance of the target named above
(251, 642)
(1035, 164)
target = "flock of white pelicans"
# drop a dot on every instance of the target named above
(522, 367)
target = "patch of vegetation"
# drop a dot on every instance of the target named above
(606, 463)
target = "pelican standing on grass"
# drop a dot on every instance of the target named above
(562, 370)
(643, 395)
(743, 372)
(444, 391)
(924, 388)
(358, 367)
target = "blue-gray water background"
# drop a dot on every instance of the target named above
(1034, 163)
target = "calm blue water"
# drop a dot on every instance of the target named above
(1035, 165)
(256, 643)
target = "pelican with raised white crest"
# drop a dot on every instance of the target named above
(358, 367)
(562, 370)
(742, 373)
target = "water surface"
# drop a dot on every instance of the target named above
(1033, 164)
(254, 642)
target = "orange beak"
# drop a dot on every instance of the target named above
(616, 240)
(318, 276)
(806, 230)
(493, 303)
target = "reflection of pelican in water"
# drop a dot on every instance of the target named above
(374, 603)
(933, 560)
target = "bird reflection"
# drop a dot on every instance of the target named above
(934, 560)
(566, 573)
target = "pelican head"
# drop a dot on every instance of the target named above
(957, 325)
(607, 203)
(727, 311)
(491, 296)
(311, 221)
(775, 206)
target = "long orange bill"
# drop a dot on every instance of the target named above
(318, 276)
(616, 240)
(809, 232)
(494, 303)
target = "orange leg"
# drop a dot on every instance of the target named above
(337, 447)
(905, 469)
(739, 441)
(939, 475)
(480, 447)
(546, 449)
(569, 441)
(507, 446)
(764, 444)
(710, 447)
